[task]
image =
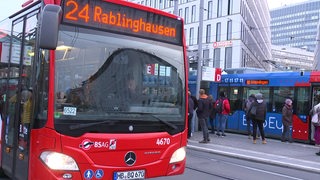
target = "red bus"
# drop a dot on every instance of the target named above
(93, 89)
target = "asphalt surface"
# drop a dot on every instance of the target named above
(294, 155)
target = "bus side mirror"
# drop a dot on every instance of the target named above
(49, 26)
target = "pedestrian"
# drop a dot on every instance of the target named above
(212, 114)
(317, 137)
(247, 106)
(316, 110)
(190, 114)
(287, 121)
(203, 114)
(222, 107)
(258, 111)
(195, 102)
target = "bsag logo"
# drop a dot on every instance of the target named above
(86, 144)
(100, 144)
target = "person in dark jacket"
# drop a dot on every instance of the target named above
(247, 105)
(195, 102)
(203, 114)
(212, 114)
(190, 114)
(287, 121)
(259, 118)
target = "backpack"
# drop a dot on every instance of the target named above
(219, 105)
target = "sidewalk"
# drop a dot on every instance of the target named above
(293, 155)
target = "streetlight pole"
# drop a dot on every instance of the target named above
(200, 54)
(199, 70)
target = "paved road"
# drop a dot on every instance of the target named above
(208, 166)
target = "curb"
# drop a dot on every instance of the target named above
(259, 159)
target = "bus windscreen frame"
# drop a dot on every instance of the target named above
(121, 19)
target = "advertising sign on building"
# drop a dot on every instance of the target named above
(222, 44)
(211, 74)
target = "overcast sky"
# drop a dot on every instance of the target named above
(8, 7)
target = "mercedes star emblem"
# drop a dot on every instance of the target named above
(130, 158)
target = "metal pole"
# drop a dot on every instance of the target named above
(199, 71)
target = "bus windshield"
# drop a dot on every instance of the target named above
(121, 80)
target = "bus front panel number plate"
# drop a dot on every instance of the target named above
(129, 175)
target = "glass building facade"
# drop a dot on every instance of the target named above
(296, 25)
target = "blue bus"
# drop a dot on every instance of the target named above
(302, 87)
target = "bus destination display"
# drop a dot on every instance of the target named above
(257, 82)
(122, 19)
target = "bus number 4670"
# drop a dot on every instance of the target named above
(163, 141)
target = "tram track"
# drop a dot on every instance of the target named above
(211, 174)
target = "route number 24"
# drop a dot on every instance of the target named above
(74, 15)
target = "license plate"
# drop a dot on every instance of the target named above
(128, 175)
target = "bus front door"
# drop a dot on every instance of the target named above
(19, 107)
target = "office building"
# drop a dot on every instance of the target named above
(290, 59)
(235, 33)
(296, 25)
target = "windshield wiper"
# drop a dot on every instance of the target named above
(166, 122)
(85, 125)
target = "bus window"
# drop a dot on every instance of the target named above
(316, 95)
(280, 94)
(250, 90)
(302, 104)
(115, 79)
(235, 99)
(265, 91)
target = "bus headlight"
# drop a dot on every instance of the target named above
(58, 161)
(178, 155)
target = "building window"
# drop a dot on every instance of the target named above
(218, 32)
(156, 4)
(185, 32)
(209, 10)
(180, 12)
(171, 3)
(228, 58)
(219, 8)
(229, 30)
(241, 30)
(243, 58)
(193, 13)
(216, 58)
(191, 36)
(208, 33)
(186, 15)
(230, 6)
(206, 58)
